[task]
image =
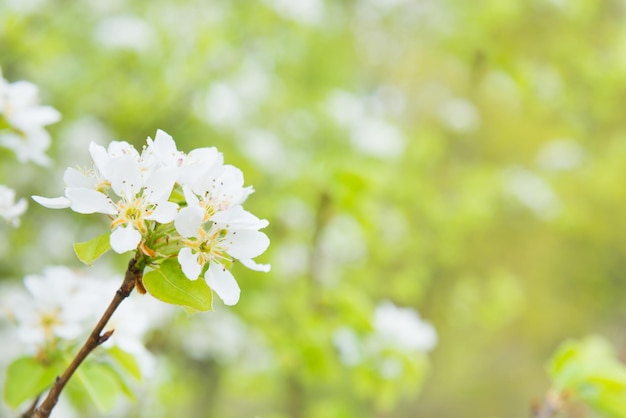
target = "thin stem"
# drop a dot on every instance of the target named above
(133, 275)
(31, 410)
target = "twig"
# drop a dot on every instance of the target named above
(30, 411)
(132, 277)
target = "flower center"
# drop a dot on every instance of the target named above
(133, 212)
(209, 246)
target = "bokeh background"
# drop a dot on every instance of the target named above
(465, 159)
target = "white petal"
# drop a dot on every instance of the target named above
(223, 283)
(125, 239)
(125, 176)
(253, 265)
(36, 116)
(188, 221)
(164, 146)
(189, 263)
(16, 210)
(52, 203)
(238, 217)
(164, 213)
(122, 148)
(190, 197)
(89, 201)
(99, 156)
(74, 178)
(246, 243)
(160, 183)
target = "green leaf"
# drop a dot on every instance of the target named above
(169, 284)
(126, 361)
(100, 383)
(26, 378)
(90, 251)
(589, 370)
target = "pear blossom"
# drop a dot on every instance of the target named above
(58, 304)
(62, 305)
(142, 195)
(25, 119)
(10, 210)
(233, 234)
(207, 231)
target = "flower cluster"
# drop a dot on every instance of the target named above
(165, 203)
(21, 130)
(60, 305)
(22, 121)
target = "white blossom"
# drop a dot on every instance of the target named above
(25, 119)
(134, 191)
(10, 210)
(402, 328)
(141, 194)
(394, 329)
(57, 304)
(233, 234)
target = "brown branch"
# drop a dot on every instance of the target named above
(132, 277)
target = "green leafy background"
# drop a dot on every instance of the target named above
(471, 221)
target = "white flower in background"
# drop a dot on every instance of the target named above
(402, 328)
(147, 314)
(307, 12)
(62, 304)
(394, 330)
(349, 346)
(561, 155)
(22, 121)
(532, 191)
(229, 103)
(125, 32)
(10, 210)
(58, 305)
(370, 131)
(233, 235)
(460, 115)
(227, 339)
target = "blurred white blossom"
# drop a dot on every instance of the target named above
(10, 210)
(125, 32)
(459, 115)
(561, 155)
(369, 131)
(308, 12)
(64, 305)
(394, 329)
(59, 304)
(532, 191)
(229, 102)
(225, 338)
(402, 328)
(22, 121)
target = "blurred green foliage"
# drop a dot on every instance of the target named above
(588, 370)
(462, 158)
